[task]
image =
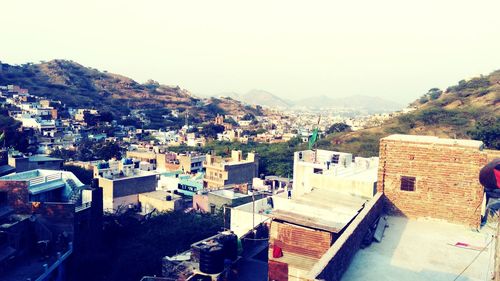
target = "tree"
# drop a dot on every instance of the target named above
(231, 121)
(137, 247)
(108, 150)
(211, 130)
(434, 93)
(84, 175)
(488, 131)
(65, 154)
(12, 136)
(248, 116)
(338, 128)
(90, 119)
(106, 116)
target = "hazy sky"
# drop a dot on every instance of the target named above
(393, 49)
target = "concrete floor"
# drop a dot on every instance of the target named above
(419, 250)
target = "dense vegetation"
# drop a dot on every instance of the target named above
(275, 159)
(12, 136)
(84, 175)
(132, 249)
(88, 150)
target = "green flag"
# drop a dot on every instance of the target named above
(313, 138)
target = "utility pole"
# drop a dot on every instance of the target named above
(253, 210)
(497, 254)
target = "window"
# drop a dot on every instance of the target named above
(335, 158)
(407, 183)
(318, 171)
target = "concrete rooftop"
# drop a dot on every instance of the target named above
(414, 250)
(435, 140)
(228, 193)
(321, 208)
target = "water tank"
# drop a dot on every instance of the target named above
(229, 243)
(211, 259)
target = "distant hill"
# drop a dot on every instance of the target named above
(265, 98)
(468, 110)
(370, 104)
(79, 86)
(258, 97)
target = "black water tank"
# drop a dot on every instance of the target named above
(229, 243)
(211, 259)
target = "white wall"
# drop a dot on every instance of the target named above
(243, 220)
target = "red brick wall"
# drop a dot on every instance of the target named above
(337, 259)
(447, 180)
(299, 240)
(492, 154)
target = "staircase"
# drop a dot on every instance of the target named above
(76, 192)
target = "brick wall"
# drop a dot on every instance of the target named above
(492, 154)
(337, 259)
(447, 178)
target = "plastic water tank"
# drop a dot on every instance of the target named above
(229, 243)
(212, 259)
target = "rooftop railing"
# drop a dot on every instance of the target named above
(44, 179)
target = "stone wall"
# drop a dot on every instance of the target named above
(446, 176)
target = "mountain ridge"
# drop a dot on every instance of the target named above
(79, 86)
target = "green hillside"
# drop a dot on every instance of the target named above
(468, 110)
(79, 86)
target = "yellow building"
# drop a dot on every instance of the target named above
(221, 171)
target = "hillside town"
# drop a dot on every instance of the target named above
(337, 216)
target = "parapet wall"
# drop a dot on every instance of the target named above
(337, 259)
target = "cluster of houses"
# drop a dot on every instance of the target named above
(399, 216)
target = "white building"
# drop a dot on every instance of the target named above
(336, 171)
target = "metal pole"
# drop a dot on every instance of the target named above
(497, 254)
(253, 210)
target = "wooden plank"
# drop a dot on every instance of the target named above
(306, 221)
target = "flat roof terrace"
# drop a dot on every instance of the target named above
(414, 250)
(320, 209)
